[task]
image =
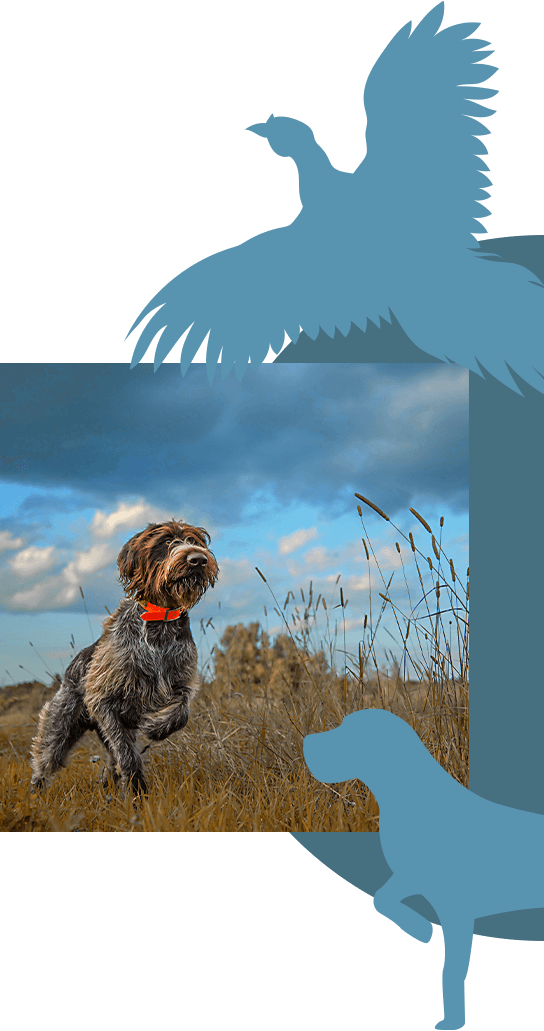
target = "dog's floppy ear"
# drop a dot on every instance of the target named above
(128, 560)
(204, 533)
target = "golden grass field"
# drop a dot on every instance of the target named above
(238, 765)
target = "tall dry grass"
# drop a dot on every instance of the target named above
(238, 765)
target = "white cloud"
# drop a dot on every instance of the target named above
(124, 516)
(32, 561)
(63, 589)
(296, 540)
(9, 543)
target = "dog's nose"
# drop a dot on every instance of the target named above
(196, 558)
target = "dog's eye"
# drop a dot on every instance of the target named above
(191, 540)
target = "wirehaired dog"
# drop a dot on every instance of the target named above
(142, 672)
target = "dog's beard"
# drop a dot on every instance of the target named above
(188, 590)
(177, 587)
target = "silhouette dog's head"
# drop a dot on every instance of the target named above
(168, 564)
(368, 744)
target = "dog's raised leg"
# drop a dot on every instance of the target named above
(160, 724)
(388, 901)
(458, 929)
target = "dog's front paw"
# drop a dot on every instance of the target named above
(138, 783)
(147, 726)
(160, 725)
(109, 777)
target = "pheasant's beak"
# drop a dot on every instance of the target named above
(260, 128)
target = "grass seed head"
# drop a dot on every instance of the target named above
(421, 519)
(375, 507)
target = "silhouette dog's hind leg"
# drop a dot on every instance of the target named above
(388, 901)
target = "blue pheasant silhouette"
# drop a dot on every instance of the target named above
(391, 241)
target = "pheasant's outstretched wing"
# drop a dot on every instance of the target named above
(425, 176)
(246, 298)
(395, 236)
(423, 148)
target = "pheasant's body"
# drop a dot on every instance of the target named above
(395, 236)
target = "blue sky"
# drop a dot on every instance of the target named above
(92, 453)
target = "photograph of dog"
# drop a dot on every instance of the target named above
(467, 856)
(142, 672)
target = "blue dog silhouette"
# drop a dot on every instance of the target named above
(467, 856)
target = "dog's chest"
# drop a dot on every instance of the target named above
(161, 652)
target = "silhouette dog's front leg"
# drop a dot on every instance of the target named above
(387, 901)
(458, 930)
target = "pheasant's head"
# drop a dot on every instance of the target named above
(285, 135)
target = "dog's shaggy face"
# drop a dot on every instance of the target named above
(168, 564)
